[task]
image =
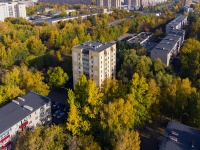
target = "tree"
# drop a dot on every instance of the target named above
(25, 80)
(126, 140)
(56, 77)
(42, 138)
(35, 46)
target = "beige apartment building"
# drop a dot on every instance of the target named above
(95, 59)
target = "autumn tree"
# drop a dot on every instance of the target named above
(56, 77)
(45, 138)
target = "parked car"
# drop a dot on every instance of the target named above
(56, 112)
(60, 115)
(55, 104)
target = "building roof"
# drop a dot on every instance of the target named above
(12, 113)
(95, 46)
(179, 32)
(167, 43)
(140, 38)
(180, 137)
(176, 21)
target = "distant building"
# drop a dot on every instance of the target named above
(167, 49)
(188, 9)
(180, 137)
(109, 3)
(177, 23)
(63, 2)
(12, 10)
(141, 38)
(25, 112)
(97, 60)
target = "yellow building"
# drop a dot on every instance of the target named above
(95, 59)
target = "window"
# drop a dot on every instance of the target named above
(91, 57)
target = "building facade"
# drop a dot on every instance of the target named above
(63, 2)
(177, 23)
(25, 112)
(109, 3)
(12, 10)
(97, 60)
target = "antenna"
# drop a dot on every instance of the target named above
(22, 99)
(16, 102)
(28, 107)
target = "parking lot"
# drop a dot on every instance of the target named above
(59, 107)
(59, 112)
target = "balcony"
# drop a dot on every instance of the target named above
(5, 146)
(23, 125)
(5, 138)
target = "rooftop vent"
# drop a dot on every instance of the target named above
(173, 138)
(22, 99)
(175, 133)
(16, 102)
(28, 107)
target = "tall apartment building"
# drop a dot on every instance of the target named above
(97, 60)
(12, 10)
(177, 23)
(109, 3)
(63, 2)
(28, 112)
(134, 3)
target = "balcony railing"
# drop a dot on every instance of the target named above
(23, 125)
(5, 146)
(5, 138)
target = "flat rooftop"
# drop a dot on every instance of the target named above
(140, 37)
(95, 46)
(14, 112)
(177, 20)
(167, 43)
(180, 137)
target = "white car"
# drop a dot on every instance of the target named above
(55, 113)
(60, 115)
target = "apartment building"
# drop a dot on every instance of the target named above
(12, 10)
(167, 49)
(95, 59)
(63, 2)
(25, 112)
(177, 23)
(109, 3)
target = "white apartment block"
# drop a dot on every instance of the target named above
(13, 9)
(97, 60)
(25, 112)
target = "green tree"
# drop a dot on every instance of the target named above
(56, 77)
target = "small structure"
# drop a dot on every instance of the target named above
(180, 137)
(142, 38)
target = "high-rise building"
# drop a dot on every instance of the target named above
(97, 60)
(134, 3)
(12, 10)
(109, 3)
(25, 112)
(99, 2)
(62, 2)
